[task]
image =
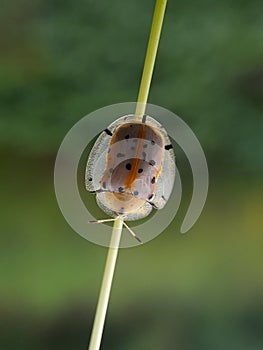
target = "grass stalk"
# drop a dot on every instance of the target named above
(99, 320)
(150, 57)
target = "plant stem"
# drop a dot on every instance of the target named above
(150, 57)
(106, 286)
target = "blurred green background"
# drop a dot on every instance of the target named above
(61, 60)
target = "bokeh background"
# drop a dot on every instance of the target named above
(61, 60)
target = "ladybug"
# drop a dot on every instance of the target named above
(131, 168)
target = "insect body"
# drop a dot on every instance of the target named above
(131, 168)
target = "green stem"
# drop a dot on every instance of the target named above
(106, 286)
(150, 57)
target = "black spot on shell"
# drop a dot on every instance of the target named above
(128, 166)
(152, 162)
(151, 196)
(153, 205)
(153, 180)
(144, 118)
(153, 142)
(119, 155)
(140, 170)
(104, 184)
(127, 137)
(167, 147)
(121, 189)
(136, 193)
(90, 179)
(108, 132)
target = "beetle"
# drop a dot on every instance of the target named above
(131, 168)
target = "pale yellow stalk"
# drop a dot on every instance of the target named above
(150, 57)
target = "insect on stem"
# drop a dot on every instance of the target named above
(118, 223)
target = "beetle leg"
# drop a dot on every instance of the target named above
(132, 233)
(110, 220)
(100, 221)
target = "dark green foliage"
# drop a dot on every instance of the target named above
(62, 59)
